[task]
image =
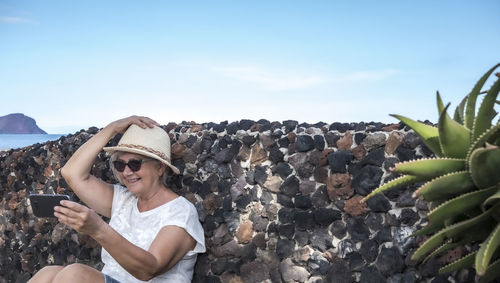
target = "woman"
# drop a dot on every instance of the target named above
(153, 234)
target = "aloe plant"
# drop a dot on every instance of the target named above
(462, 183)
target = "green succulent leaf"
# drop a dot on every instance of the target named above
(458, 205)
(443, 248)
(486, 111)
(491, 201)
(485, 252)
(446, 186)
(472, 97)
(430, 168)
(459, 111)
(454, 231)
(491, 135)
(401, 181)
(483, 166)
(440, 103)
(428, 134)
(492, 272)
(464, 262)
(453, 137)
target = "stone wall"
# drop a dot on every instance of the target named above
(279, 202)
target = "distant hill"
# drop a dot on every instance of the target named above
(18, 123)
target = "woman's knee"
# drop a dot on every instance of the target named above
(77, 272)
(46, 274)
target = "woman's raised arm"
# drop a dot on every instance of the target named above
(94, 192)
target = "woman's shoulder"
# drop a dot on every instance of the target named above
(183, 206)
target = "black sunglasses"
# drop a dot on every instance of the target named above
(133, 164)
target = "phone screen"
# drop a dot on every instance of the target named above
(43, 205)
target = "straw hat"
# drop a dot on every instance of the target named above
(151, 142)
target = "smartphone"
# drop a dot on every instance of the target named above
(43, 205)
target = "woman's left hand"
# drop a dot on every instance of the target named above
(79, 217)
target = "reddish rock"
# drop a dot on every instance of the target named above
(195, 128)
(354, 206)
(390, 128)
(210, 203)
(394, 140)
(339, 186)
(244, 234)
(177, 151)
(323, 159)
(258, 156)
(48, 171)
(273, 183)
(359, 152)
(345, 142)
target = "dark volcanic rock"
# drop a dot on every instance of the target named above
(304, 143)
(339, 160)
(339, 272)
(357, 229)
(279, 202)
(389, 261)
(367, 179)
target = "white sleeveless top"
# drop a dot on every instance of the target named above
(140, 228)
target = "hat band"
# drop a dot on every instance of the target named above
(148, 149)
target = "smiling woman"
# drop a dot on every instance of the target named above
(153, 233)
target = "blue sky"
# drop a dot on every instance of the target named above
(75, 64)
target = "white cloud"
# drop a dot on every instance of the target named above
(16, 20)
(281, 79)
(272, 79)
(372, 75)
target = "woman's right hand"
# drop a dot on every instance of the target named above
(120, 126)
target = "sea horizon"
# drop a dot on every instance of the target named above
(13, 141)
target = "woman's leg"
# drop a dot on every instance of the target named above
(46, 274)
(78, 273)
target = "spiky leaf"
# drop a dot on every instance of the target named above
(453, 231)
(430, 168)
(492, 272)
(491, 135)
(486, 111)
(401, 181)
(472, 97)
(458, 205)
(464, 262)
(454, 137)
(428, 134)
(483, 166)
(491, 201)
(459, 111)
(446, 186)
(486, 251)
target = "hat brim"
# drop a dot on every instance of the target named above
(113, 149)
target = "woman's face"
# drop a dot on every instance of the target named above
(145, 178)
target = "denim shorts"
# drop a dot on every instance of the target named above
(109, 279)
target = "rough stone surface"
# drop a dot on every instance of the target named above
(278, 201)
